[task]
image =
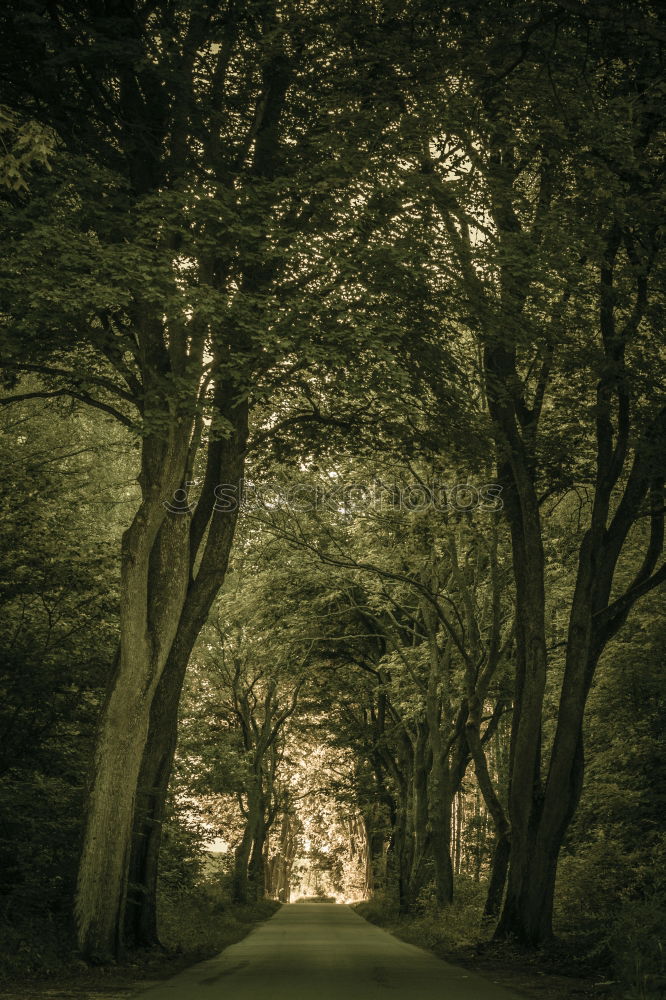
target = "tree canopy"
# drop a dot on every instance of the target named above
(334, 420)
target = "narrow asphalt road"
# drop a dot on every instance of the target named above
(324, 951)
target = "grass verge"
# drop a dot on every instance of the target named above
(454, 935)
(194, 927)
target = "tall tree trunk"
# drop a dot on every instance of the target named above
(441, 816)
(516, 475)
(283, 860)
(458, 835)
(141, 929)
(441, 849)
(399, 859)
(441, 797)
(153, 585)
(527, 912)
(256, 866)
(246, 861)
(498, 873)
(420, 836)
(501, 851)
(540, 815)
(108, 831)
(528, 909)
(240, 883)
(528, 875)
(375, 872)
(225, 466)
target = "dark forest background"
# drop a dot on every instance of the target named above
(392, 275)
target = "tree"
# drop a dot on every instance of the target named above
(539, 160)
(171, 128)
(190, 250)
(420, 611)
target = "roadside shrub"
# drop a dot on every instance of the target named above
(442, 930)
(612, 903)
(380, 910)
(638, 945)
(203, 921)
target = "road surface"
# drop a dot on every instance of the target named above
(324, 951)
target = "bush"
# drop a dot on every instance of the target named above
(203, 921)
(183, 856)
(638, 945)
(380, 910)
(440, 930)
(611, 902)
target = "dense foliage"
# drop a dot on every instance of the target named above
(331, 339)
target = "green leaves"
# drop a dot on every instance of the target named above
(27, 145)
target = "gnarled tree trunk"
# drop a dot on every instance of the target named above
(225, 465)
(155, 557)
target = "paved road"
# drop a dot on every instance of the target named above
(324, 951)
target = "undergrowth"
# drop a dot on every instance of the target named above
(441, 930)
(625, 948)
(203, 922)
(194, 925)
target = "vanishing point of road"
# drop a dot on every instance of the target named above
(324, 951)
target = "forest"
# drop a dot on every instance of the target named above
(332, 422)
